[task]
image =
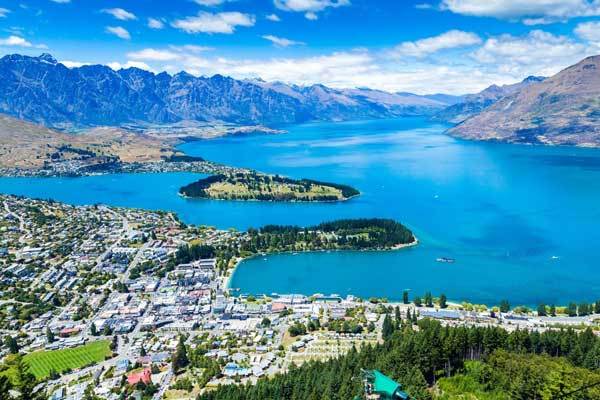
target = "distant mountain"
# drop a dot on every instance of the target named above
(473, 104)
(446, 98)
(41, 90)
(563, 109)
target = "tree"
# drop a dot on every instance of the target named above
(11, 343)
(418, 302)
(572, 310)
(266, 322)
(405, 297)
(50, 335)
(143, 351)
(5, 387)
(114, 344)
(387, 329)
(553, 310)
(443, 301)
(25, 381)
(93, 329)
(583, 309)
(541, 310)
(397, 316)
(180, 358)
(428, 299)
(504, 306)
(597, 307)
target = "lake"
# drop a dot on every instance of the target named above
(521, 221)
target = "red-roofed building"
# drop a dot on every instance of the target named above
(144, 376)
(278, 307)
(66, 332)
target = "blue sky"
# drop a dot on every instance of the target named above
(423, 46)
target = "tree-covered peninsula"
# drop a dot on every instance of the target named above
(347, 234)
(255, 186)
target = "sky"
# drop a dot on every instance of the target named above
(419, 46)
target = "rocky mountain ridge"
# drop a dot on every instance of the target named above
(42, 90)
(561, 110)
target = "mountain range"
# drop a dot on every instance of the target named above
(472, 104)
(561, 110)
(42, 90)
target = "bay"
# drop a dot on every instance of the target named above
(520, 221)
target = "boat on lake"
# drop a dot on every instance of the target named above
(446, 260)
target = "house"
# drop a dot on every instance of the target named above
(144, 376)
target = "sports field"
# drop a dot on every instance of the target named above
(42, 362)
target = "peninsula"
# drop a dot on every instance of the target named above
(343, 234)
(251, 185)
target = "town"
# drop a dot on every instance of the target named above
(111, 303)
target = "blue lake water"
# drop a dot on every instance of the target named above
(521, 221)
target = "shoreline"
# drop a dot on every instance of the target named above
(269, 201)
(398, 247)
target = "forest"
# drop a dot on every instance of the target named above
(348, 234)
(255, 186)
(436, 362)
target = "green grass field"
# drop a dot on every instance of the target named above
(42, 362)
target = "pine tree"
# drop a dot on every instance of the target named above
(387, 329)
(597, 307)
(504, 306)
(443, 301)
(5, 387)
(180, 358)
(397, 316)
(405, 297)
(418, 302)
(572, 310)
(50, 335)
(428, 299)
(93, 329)
(11, 343)
(541, 310)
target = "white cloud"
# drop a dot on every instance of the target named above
(310, 8)
(191, 48)
(4, 12)
(211, 3)
(539, 53)
(273, 17)
(154, 23)
(15, 41)
(530, 11)
(61, 1)
(120, 14)
(448, 40)
(205, 22)
(589, 31)
(119, 31)
(154, 55)
(282, 42)
(130, 64)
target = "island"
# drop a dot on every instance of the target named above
(251, 185)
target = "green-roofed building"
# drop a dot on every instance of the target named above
(378, 386)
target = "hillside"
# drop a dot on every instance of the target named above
(41, 90)
(473, 104)
(30, 146)
(561, 110)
